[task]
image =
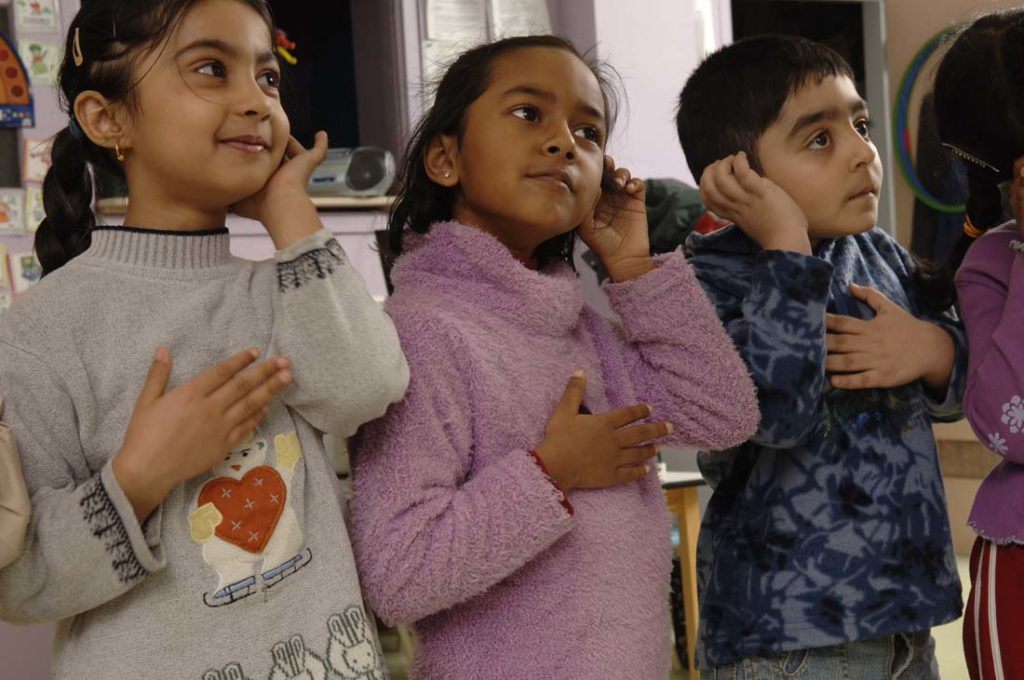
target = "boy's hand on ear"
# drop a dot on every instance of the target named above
(617, 229)
(282, 205)
(892, 349)
(733, 190)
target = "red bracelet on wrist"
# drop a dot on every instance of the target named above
(562, 497)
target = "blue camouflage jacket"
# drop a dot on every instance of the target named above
(830, 524)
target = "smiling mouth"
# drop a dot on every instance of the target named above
(247, 144)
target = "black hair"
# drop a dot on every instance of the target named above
(736, 93)
(108, 37)
(421, 201)
(979, 110)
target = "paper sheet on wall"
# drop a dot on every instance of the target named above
(457, 20)
(25, 271)
(454, 26)
(36, 16)
(12, 211)
(519, 17)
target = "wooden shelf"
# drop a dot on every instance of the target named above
(118, 206)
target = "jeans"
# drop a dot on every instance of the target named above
(906, 656)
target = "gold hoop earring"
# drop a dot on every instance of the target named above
(117, 151)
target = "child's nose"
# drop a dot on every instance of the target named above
(864, 152)
(561, 141)
(253, 100)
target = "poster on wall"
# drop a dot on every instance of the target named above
(34, 210)
(42, 60)
(25, 270)
(16, 107)
(36, 16)
(12, 211)
(37, 159)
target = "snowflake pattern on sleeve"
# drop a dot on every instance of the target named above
(100, 514)
(316, 264)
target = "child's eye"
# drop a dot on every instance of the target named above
(270, 79)
(589, 133)
(864, 127)
(820, 141)
(213, 68)
(529, 113)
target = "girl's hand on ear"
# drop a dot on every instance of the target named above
(176, 435)
(617, 229)
(282, 205)
(892, 349)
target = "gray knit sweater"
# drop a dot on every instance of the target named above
(246, 571)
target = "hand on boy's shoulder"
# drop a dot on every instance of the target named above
(734, 191)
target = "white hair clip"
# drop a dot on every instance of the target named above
(971, 158)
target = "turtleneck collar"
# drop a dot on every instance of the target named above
(163, 250)
(463, 263)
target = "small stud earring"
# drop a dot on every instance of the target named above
(447, 174)
(118, 152)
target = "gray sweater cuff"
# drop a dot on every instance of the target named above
(140, 544)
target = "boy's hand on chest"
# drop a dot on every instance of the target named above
(891, 349)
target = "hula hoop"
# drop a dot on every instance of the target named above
(901, 134)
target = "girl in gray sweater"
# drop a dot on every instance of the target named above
(226, 556)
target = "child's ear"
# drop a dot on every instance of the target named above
(104, 122)
(440, 160)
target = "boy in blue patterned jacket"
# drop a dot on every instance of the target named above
(825, 551)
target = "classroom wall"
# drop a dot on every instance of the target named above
(653, 58)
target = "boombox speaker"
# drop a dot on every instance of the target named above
(363, 171)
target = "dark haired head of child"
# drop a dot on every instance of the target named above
(112, 48)
(514, 145)
(979, 109)
(791, 105)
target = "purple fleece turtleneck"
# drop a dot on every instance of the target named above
(455, 526)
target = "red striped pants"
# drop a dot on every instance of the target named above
(994, 618)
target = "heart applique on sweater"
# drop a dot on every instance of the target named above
(251, 506)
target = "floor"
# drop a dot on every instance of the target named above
(948, 645)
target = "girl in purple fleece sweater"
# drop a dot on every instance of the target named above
(517, 521)
(987, 132)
